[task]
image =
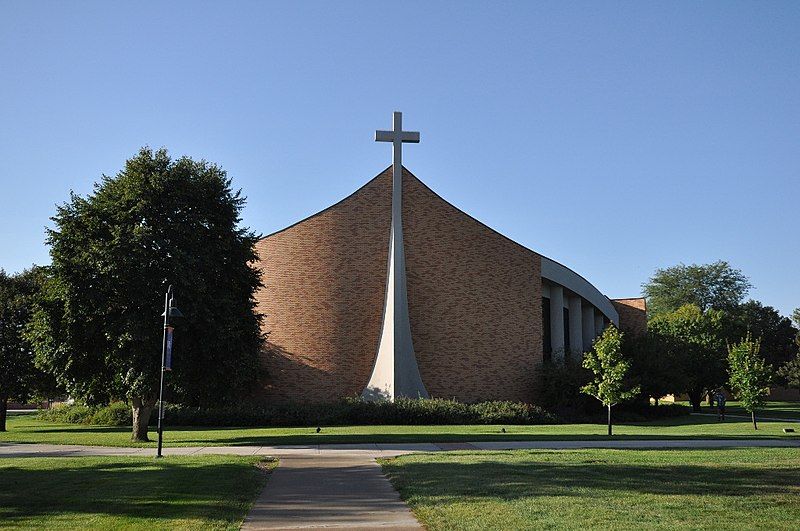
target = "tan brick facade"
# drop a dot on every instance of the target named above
(632, 315)
(474, 300)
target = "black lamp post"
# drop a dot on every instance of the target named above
(166, 357)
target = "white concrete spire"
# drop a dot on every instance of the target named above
(395, 372)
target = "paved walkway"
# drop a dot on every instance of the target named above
(344, 490)
(371, 451)
(341, 486)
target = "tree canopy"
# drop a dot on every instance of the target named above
(715, 286)
(98, 324)
(19, 377)
(776, 333)
(696, 342)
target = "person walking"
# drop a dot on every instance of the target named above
(719, 397)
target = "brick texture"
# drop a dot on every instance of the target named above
(474, 300)
(324, 281)
(632, 315)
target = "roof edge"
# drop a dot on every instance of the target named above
(337, 203)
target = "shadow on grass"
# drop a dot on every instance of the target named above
(457, 481)
(665, 429)
(128, 488)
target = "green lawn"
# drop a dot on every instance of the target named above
(28, 429)
(781, 410)
(753, 488)
(210, 492)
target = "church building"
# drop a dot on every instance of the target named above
(393, 292)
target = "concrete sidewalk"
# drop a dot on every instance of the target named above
(370, 450)
(331, 490)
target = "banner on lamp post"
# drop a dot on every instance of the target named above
(168, 355)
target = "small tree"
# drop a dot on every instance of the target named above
(610, 370)
(750, 375)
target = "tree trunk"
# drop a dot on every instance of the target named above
(3, 412)
(609, 420)
(753, 415)
(696, 399)
(141, 409)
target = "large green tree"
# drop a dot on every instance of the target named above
(695, 340)
(776, 333)
(655, 365)
(715, 286)
(159, 221)
(19, 378)
(790, 372)
(611, 383)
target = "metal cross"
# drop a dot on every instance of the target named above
(397, 136)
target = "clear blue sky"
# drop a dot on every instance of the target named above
(613, 137)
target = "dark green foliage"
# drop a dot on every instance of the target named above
(560, 389)
(655, 366)
(695, 341)
(114, 414)
(68, 413)
(158, 222)
(777, 334)
(403, 411)
(709, 286)
(19, 378)
(790, 372)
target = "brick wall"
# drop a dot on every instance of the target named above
(474, 300)
(324, 281)
(632, 315)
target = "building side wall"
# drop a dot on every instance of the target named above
(632, 315)
(324, 281)
(474, 301)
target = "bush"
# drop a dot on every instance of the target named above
(561, 390)
(349, 411)
(114, 414)
(352, 411)
(67, 413)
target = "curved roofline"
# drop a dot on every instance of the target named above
(337, 203)
(604, 302)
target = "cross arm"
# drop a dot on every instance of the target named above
(405, 136)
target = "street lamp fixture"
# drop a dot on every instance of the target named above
(170, 312)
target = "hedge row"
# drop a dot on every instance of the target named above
(403, 411)
(114, 414)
